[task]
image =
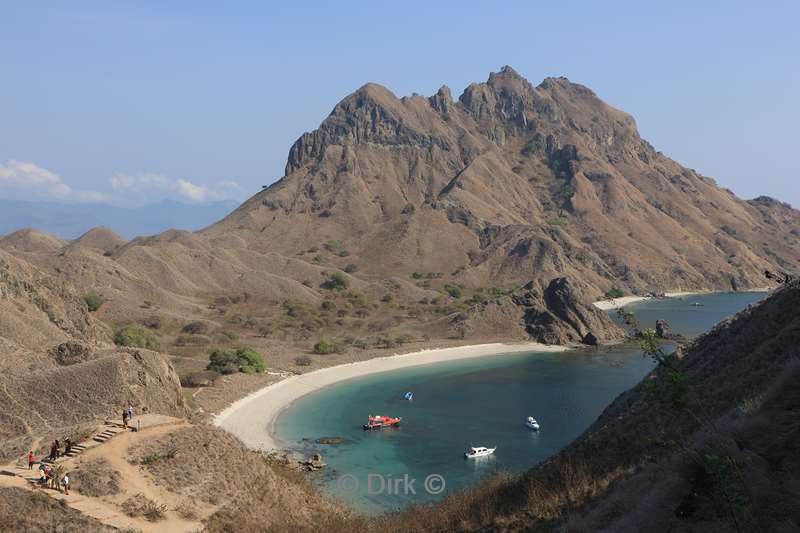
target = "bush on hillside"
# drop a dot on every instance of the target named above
(195, 328)
(337, 282)
(326, 347)
(228, 361)
(136, 337)
(453, 290)
(614, 293)
(93, 301)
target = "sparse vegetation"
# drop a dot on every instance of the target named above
(140, 505)
(302, 360)
(453, 290)
(325, 346)
(136, 337)
(229, 361)
(195, 328)
(93, 301)
(337, 282)
(614, 293)
(158, 456)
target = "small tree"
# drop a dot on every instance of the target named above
(337, 282)
(325, 347)
(93, 301)
(614, 293)
(453, 290)
(244, 360)
(136, 337)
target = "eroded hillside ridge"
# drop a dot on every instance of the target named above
(514, 182)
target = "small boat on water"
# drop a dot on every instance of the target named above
(380, 422)
(532, 423)
(479, 451)
(409, 396)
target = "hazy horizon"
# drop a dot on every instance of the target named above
(131, 104)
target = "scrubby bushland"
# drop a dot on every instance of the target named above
(229, 361)
(136, 337)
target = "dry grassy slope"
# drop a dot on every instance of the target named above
(22, 510)
(38, 311)
(644, 464)
(68, 396)
(489, 180)
(212, 467)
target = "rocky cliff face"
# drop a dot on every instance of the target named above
(557, 314)
(509, 183)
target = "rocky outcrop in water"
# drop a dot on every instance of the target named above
(557, 314)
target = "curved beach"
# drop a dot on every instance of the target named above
(252, 419)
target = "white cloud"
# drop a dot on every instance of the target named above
(28, 180)
(148, 185)
(25, 180)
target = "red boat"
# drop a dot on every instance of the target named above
(380, 422)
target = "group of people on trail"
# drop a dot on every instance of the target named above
(55, 450)
(50, 477)
(127, 416)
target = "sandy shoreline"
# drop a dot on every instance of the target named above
(252, 418)
(616, 303)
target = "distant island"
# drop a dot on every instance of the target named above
(70, 221)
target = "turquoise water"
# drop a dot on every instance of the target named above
(478, 402)
(690, 320)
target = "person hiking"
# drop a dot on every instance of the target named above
(125, 419)
(67, 445)
(31, 460)
(65, 483)
(130, 413)
(42, 474)
(57, 449)
(53, 451)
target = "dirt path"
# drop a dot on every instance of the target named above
(133, 481)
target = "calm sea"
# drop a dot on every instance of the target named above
(474, 402)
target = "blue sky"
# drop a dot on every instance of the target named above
(131, 102)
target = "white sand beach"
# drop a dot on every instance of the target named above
(252, 419)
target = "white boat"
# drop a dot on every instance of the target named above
(479, 451)
(532, 423)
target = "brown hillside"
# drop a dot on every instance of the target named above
(433, 206)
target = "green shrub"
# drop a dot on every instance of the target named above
(328, 305)
(325, 347)
(729, 230)
(244, 360)
(93, 301)
(614, 293)
(453, 290)
(337, 282)
(136, 337)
